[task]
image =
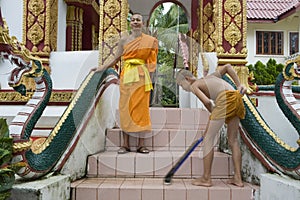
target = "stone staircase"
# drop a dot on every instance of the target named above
(134, 176)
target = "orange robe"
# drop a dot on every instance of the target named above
(228, 105)
(134, 98)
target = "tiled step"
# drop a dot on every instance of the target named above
(155, 164)
(158, 139)
(154, 189)
(176, 118)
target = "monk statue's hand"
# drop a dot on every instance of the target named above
(242, 89)
(98, 69)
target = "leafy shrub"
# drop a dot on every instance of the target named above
(265, 74)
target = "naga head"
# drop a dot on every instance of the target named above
(25, 64)
(291, 71)
(23, 69)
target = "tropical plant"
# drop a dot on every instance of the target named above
(265, 74)
(6, 175)
(7, 170)
(166, 26)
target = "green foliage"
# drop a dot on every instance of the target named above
(3, 128)
(166, 26)
(265, 74)
(7, 176)
(166, 78)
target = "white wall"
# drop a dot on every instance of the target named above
(61, 25)
(287, 25)
(68, 69)
(12, 12)
(272, 114)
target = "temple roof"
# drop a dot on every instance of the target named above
(271, 10)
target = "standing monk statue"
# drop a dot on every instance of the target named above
(138, 52)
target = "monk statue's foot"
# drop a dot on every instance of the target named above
(235, 182)
(202, 182)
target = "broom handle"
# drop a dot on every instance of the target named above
(183, 158)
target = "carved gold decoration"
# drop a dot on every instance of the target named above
(36, 7)
(243, 74)
(56, 97)
(223, 61)
(112, 7)
(233, 7)
(35, 34)
(37, 144)
(75, 22)
(238, 20)
(40, 19)
(254, 101)
(30, 19)
(208, 10)
(113, 21)
(293, 58)
(21, 146)
(94, 38)
(209, 45)
(209, 28)
(232, 32)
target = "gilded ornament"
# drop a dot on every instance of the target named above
(204, 19)
(111, 35)
(209, 27)
(30, 20)
(209, 45)
(116, 21)
(233, 7)
(232, 34)
(232, 50)
(107, 21)
(227, 20)
(111, 8)
(36, 7)
(253, 100)
(37, 144)
(205, 36)
(41, 20)
(208, 10)
(35, 34)
(22, 146)
(220, 50)
(238, 20)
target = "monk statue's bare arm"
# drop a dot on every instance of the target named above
(196, 89)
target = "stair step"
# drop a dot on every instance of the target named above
(153, 188)
(157, 139)
(155, 164)
(176, 118)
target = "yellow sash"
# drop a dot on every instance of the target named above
(131, 72)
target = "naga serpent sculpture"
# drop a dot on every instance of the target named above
(42, 156)
(272, 151)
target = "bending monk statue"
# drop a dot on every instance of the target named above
(226, 106)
